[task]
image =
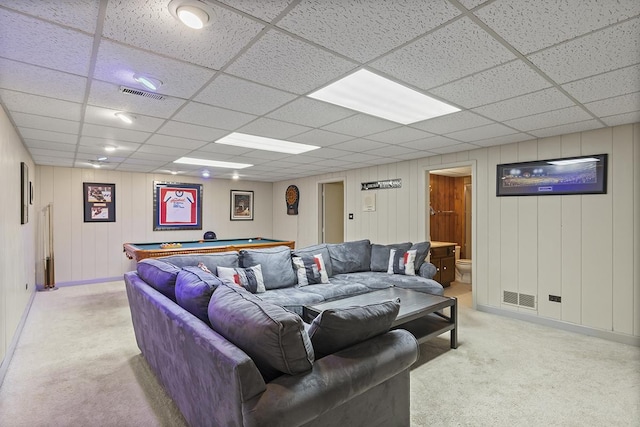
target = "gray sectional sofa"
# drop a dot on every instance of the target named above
(229, 357)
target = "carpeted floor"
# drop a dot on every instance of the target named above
(77, 364)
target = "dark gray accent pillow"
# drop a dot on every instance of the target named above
(272, 336)
(160, 275)
(422, 250)
(194, 288)
(380, 255)
(277, 267)
(212, 261)
(336, 329)
(350, 257)
(315, 250)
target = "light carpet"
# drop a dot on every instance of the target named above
(77, 364)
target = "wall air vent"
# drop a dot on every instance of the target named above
(139, 92)
(521, 300)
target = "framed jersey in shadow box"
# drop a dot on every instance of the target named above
(99, 202)
(177, 206)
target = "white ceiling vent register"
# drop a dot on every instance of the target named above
(521, 300)
(139, 92)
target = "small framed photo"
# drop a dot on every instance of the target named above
(177, 206)
(241, 205)
(99, 202)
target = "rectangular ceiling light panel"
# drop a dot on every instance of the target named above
(372, 94)
(267, 144)
(211, 163)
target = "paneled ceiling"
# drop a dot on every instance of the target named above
(518, 70)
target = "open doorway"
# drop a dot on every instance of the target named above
(331, 212)
(450, 204)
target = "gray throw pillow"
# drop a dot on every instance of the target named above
(272, 336)
(160, 275)
(277, 268)
(194, 288)
(336, 329)
(422, 250)
(380, 255)
(315, 250)
(350, 257)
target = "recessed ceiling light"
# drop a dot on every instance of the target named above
(192, 13)
(267, 144)
(102, 158)
(150, 83)
(212, 163)
(125, 117)
(109, 148)
(235, 176)
(206, 174)
(372, 94)
(174, 173)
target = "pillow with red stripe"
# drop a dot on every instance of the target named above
(402, 262)
(249, 278)
(310, 270)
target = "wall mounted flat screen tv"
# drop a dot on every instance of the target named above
(572, 175)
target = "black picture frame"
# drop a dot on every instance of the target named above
(24, 193)
(177, 206)
(241, 208)
(99, 202)
(563, 176)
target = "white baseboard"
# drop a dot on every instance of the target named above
(4, 366)
(559, 324)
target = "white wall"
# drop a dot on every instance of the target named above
(17, 242)
(585, 248)
(93, 251)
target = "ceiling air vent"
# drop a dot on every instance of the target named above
(139, 92)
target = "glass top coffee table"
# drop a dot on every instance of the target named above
(420, 313)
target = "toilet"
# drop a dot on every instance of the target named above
(463, 268)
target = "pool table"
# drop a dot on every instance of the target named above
(139, 251)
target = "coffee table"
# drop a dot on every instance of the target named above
(419, 314)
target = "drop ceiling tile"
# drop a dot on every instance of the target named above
(428, 144)
(157, 153)
(172, 141)
(384, 161)
(452, 122)
(359, 158)
(237, 94)
(265, 9)
(622, 119)
(78, 14)
(616, 105)
(206, 115)
(526, 105)
(566, 129)
(114, 133)
(619, 82)
(302, 160)
(481, 132)
(470, 4)
(281, 61)
(500, 140)
(549, 119)
(108, 95)
(149, 25)
(39, 105)
(106, 117)
(361, 125)
(503, 82)
(43, 135)
(99, 144)
(52, 161)
(457, 50)
(218, 149)
(531, 26)
(117, 64)
(32, 121)
(41, 152)
(331, 163)
(127, 167)
(358, 145)
(399, 135)
(390, 151)
(27, 78)
(48, 45)
(595, 53)
(320, 138)
(258, 156)
(49, 145)
(309, 112)
(345, 26)
(187, 130)
(328, 153)
(454, 148)
(143, 161)
(273, 128)
(414, 155)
